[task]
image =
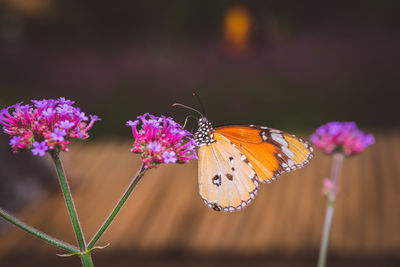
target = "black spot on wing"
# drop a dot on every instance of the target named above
(217, 180)
(229, 176)
(216, 207)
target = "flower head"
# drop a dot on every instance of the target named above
(161, 140)
(342, 137)
(45, 126)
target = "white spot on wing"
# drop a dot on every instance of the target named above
(291, 163)
(264, 137)
(287, 152)
(279, 138)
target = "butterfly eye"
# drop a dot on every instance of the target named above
(202, 120)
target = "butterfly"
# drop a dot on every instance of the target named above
(235, 159)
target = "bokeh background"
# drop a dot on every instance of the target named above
(291, 65)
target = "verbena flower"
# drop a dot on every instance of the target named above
(46, 125)
(342, 137)
(39, 148)
(161, 140)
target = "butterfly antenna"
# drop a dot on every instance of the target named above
(195, 110)
(186, 120)
(201, 103)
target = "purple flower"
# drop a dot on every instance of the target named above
(154, 147)
(62, 100)
(143, 117)
(79, 133)
(81, 115)
(50, 121)
(49, 112)
(24, 107)
(342, 137)
(15, 140)
(58, 134)
(94, 118)
(161, 140)
(169, 157)
(39, 148)
(132, 123)
(65, 109)
(178, 131)
(40, 103)
(66, 124)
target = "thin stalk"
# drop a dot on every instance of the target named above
(69, 202)
(117, 208)
(49, 239)
(330, 208)
(87, 260)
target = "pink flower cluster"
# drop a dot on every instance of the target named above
(342, 137)
(161, 140)
(46, 125)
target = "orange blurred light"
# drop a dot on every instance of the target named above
(30, 7)
(237, 27)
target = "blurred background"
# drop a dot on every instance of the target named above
(292, 65)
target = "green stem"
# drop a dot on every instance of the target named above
(87, 260)
(68, 200)
(37, 233)
(117, 208)
(330, 209)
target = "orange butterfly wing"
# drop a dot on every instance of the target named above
(271, 152)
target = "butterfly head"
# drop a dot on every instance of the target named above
(204, 135)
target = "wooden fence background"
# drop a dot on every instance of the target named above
(166, 213)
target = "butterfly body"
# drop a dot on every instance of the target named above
(235, 159)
